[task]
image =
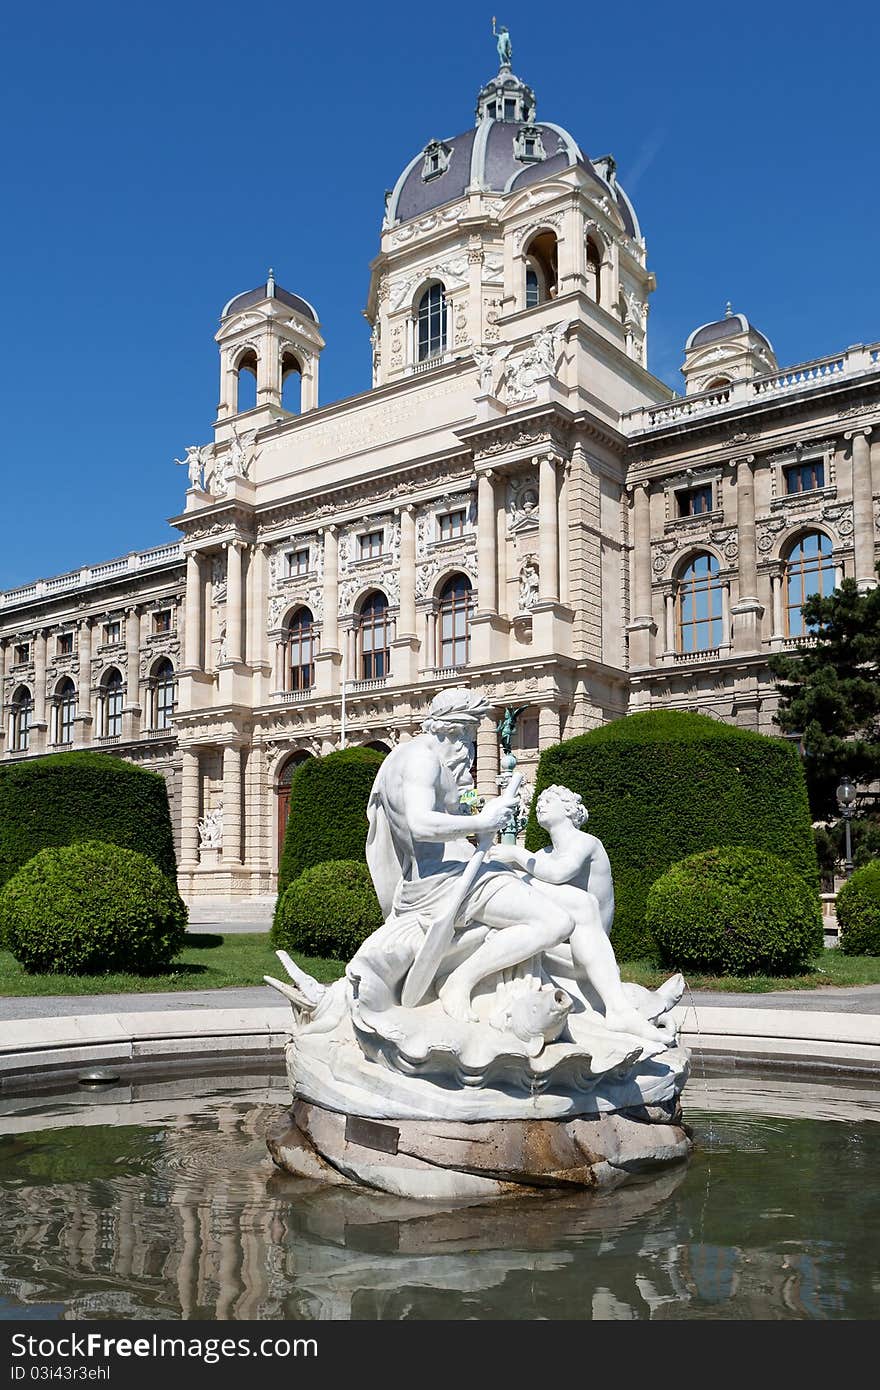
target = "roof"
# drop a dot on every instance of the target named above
(269, 290)
(727, 327)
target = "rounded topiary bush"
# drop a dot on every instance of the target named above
(70, 797)
(735, 911)
(663, 784)
(858, 912)
(327, 819)
(89, 908)
(327, 911)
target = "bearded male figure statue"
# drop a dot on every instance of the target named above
(490, 994)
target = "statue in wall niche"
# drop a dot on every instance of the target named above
(211, 829)
(529, 584)
(490, 992)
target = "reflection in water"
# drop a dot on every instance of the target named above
(164, 1206)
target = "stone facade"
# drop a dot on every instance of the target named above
(516, 504)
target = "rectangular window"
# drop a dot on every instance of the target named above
(695, 501)
(112, 634)
(452, 524)
(805, 477)
(371, 545)
(65, 644)
(297, 562)
(21, 654)
(528, 733)
(162, 621)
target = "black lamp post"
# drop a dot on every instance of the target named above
(846, 795)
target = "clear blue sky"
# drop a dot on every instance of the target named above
(157, 158)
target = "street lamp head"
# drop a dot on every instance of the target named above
(846, 794)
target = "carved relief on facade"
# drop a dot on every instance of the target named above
(427, 574)
(491, 315)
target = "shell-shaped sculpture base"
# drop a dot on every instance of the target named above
(440, 1160)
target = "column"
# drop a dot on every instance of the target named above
(269, 373)
(776, 582)
(330, 631)
(863, 509)
(278, 667)
(192, 631)
(564, 475)
(641, 603)
(641, 627)
(725, 614)
(747, 611)
(407, 621)
(548, 726)
(132, 657)
(232, 806)
(486, 533)
(669, 614)
(4, 724)
(548, 531)
(189, 809)
(84, 691)
(38, 724)
(487, 759)
(501, 545)
(234, 552)
(256, 626)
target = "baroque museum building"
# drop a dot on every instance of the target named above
(516, 504)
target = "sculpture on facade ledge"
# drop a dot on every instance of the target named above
(210, 828)
(196, 461)
(488, 1002)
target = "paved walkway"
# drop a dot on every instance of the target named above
(864, 1000)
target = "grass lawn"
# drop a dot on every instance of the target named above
(218, 962)
(206, 962)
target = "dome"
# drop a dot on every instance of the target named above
(728, 327)
(507, 151)
(269, 291)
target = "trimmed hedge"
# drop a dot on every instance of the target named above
(69, 797)
(89, 908)
(664, 784)
(858, 912)
(735, 911)
(328, 811)
(328, 911)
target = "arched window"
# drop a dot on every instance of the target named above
(431, 323)
(719, 383)
(291, 383)
(454, 621)
(166, 695)
(300, 663)
(65, 711)
(594, 270)
(111, 705)
(22, 706)
(374, 631)
(246, 381)
(809, 569)
(542, 269)
(699, 605)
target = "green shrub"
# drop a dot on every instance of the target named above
(664, 784)
(328, 811)
(327, 911)
(858, 912)
(90, 908)
(735, 911)
(68, 797)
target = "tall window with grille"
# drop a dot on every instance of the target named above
(374, 632)
(699, 605)
(111, 705)
(809, 569)
(166, 695)
(301, 651)
(454, 621)
(431, 323)
(22, 708)
(65, 711)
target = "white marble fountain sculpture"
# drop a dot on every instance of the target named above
(481, 1040)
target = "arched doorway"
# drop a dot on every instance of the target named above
(285, 777)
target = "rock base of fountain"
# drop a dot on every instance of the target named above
(439, 1159)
